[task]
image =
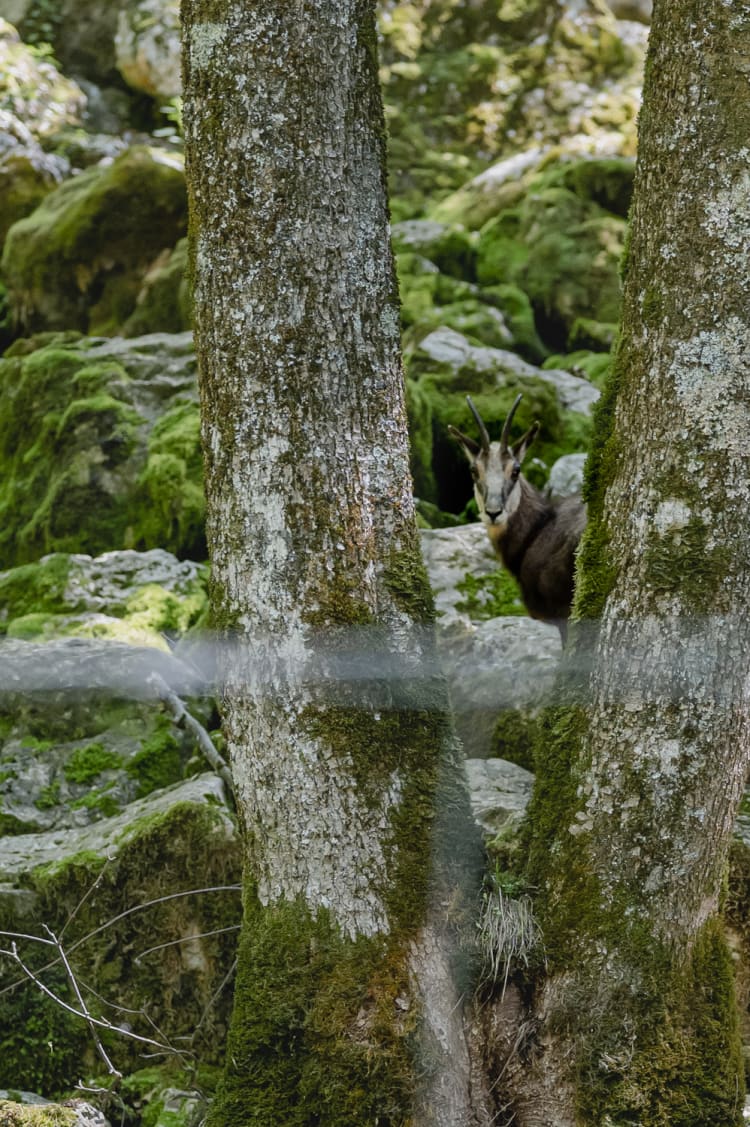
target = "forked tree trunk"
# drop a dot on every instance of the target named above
(349, 788)
(644, 763)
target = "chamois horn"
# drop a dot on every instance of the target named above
(506, 428)
(484, 436)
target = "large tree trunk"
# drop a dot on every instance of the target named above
(644, 762)
(348, 782)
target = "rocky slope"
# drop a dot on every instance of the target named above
(512, 141)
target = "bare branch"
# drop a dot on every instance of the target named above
(102, 1024)
(109, 923)
(84, 1008)
(186, 939)
(184, 719)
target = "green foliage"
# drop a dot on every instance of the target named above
(42, 1043)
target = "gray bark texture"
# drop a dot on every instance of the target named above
(644, 764)
(343, 768)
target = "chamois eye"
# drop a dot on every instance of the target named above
(516, 472)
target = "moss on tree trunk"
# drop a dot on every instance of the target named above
(348, 781)
(644, 761)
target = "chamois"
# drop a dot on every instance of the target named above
(535, 539)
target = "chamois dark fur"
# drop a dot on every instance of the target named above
(535, 539)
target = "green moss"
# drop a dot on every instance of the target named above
(318, 1034)
(489, 596)
(519, 316)
(652, 307)
(86, 895)
(686, 563)
(86, 763)
(58, 453)
(25, 1115)
(562, 250)
(154, 608)
(169, 504)
(158, 763)
(595, 572)
(79, 258)
(406, 579)
(100, 800)
(49, 797)
(30, 626)
(685, 1059)
(594, 366)
(419, 414)
(164, 303)
(514, 737)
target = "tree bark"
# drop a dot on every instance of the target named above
(347, 776)
(645, 759)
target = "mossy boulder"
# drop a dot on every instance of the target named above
(563, 251)
(607, 181)
(99, 447)
(80, 259)
(164, 302)
(136, 597)
(147, 950)
(86, 727)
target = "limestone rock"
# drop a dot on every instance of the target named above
(20, 854)
(566, 476)
(498, 791)
(147, 47)
(446, 346)
(497, 663)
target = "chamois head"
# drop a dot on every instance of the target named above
(495, 467)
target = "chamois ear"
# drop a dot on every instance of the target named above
(470, 448)
(520, 448)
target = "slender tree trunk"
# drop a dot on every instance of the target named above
(644, 763)
(349, 787)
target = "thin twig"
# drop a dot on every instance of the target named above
(13, 954)
(185, 939)
(32, 938)
(89, 891)
(209, 1005)
(84, 1008)
(114, 920)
